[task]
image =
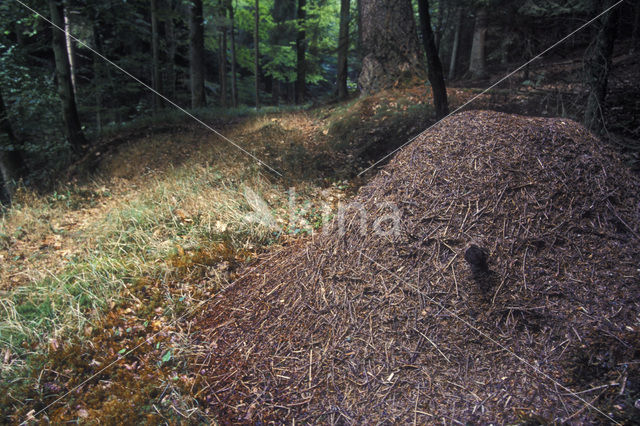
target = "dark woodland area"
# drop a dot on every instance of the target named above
(320, 211)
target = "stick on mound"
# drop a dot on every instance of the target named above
(363, 324)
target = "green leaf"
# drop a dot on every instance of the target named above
(167, 356)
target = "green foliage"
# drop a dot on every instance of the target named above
(120, 30)
(34, 110)
(277, 40)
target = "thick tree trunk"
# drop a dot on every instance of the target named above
(196, 54)
(223, 55)
(343, 49)
(301, 45)
(598, 67)
(256, 52)
(72, 127)
(456, 44)
(12, 165)
(172, 47)
(390, 44)
(477, 62)
(434, 67)
(155, 56)
(234, 77)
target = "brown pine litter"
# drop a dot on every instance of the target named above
(359, 328)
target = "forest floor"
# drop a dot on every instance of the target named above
(100, 278)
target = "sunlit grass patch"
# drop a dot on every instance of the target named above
(165, 221)
(183, 211)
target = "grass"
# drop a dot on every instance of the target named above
(97, 266)
(179, 215)
(178, 207)
(184, 208)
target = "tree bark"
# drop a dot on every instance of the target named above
(196, 54)
(256, 52)
(72, 127)
(598, 67)
(71, 54)
(477, 62)
(155, 55)
(437, 36)
(12, 165)
(635, 33)
(234, 78)
(343, 50)
(456, 44)
(223, 55)
(359, 41)
(434, 67)
(301, 45)
(172, 47)
(390, 44)
(97, 76)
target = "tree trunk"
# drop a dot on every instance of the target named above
(635, 34)
(477, 63)
(343, 49)
(223, 55)
(72, 127)
(439, 25)
(71, 54)
(155, 55)
(256, 52)
(275, 92)
(223, 68)
(359, 48)
(12, 165)
(97, 77)
(196, 54)
(434, 67)
(172, 47)
(390, 44)
(234, 78)
(456, 44)
(598, 67)
(281, 36)
(301, 66)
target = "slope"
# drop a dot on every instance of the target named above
(367, 325)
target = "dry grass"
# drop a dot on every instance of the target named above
(67, 256)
